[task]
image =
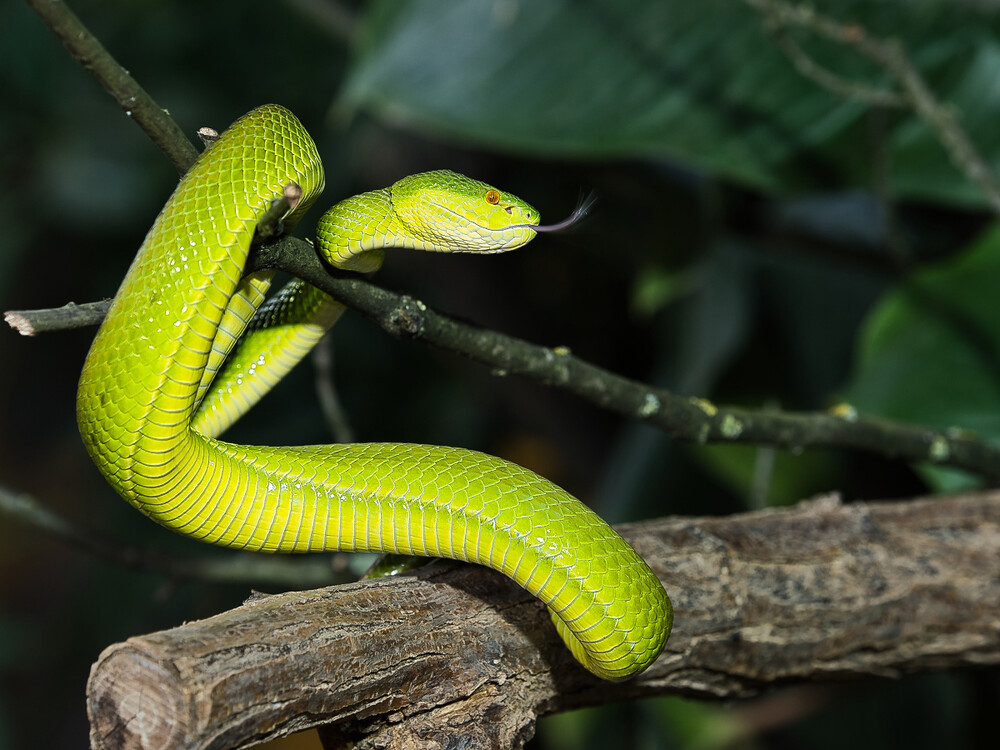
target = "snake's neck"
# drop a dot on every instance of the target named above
(353, 234)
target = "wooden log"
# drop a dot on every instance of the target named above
(820, 591)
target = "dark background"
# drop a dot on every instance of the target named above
(754, 243)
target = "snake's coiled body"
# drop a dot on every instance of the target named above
(154, 363)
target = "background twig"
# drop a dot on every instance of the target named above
(889, 55)
(243, 568)
(326, 393)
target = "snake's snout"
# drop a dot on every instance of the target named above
(449, 212)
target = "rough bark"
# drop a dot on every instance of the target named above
(821, 591)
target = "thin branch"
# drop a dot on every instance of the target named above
(889, 55)
(70, 315)
(693, 419)
(272, 222)
(241, 568)
(829, 80)
(817, 593)
(87, 50)
(326, 393)
(333, 16)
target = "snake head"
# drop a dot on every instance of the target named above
(453, 213)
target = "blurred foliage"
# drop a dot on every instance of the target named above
(937, 333)
(696, 83)
(758, 241)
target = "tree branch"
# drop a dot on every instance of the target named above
(70, 315)
(818, 592)
(693, 419)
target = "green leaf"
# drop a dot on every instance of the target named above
(930, 351)
(655, 287)
(697, 83)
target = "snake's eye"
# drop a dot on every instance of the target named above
(492, 197)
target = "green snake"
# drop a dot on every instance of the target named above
(188, 346)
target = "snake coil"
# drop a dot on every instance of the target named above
(178, 359)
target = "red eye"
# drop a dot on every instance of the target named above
(492, 197)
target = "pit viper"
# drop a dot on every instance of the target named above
(190, 343)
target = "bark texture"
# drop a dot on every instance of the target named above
(457, 654)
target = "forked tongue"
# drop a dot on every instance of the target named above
(579, 213)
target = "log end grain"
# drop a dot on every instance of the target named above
(135, 701)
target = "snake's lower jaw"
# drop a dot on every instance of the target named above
(521, 238)
(367, 262)
(502, 241)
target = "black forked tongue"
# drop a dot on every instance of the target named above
(579, 213)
